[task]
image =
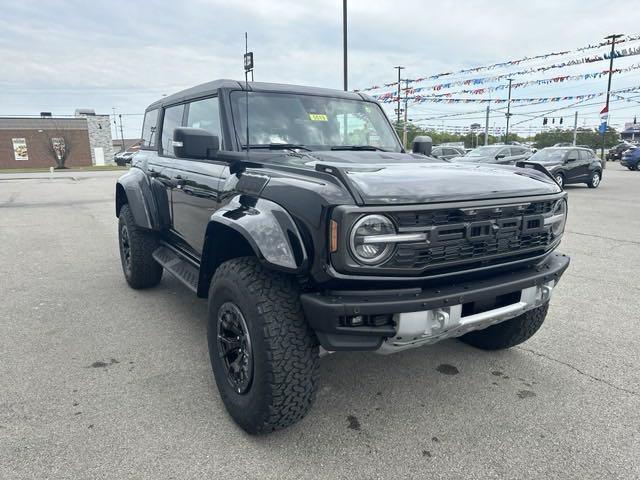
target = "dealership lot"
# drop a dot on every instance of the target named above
(101, 381)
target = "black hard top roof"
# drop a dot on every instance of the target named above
(212, 87)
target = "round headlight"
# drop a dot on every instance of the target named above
(559, 214)
(364, 246)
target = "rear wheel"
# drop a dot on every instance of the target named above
(594, 181)
(509, 333)
(263, 354)
(136, 248)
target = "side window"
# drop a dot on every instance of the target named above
(172, 120)
(205, 114)
(584, 155)
(436, 151)
(149, 128)
(573, 155)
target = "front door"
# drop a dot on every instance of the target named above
(572, 167)
(195, 194)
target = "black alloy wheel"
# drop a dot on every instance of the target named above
(234, 345)
(125, 248)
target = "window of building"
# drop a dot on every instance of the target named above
(172, 120)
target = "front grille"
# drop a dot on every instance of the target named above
(417, 220)
(457, 237)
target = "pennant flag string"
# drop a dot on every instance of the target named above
(596, 58)
(484, 90)
(421, 98)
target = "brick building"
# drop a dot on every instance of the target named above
(43, 142)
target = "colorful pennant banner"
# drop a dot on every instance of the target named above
(596, 58)
(421, 99)
(484, 90)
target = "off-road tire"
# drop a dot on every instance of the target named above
(592, 183)
(509, 333)
(284, 349)
(142, 270)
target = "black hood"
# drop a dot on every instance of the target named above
(396, 178)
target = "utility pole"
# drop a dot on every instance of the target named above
(613, 39)
(398, 112)
(122, 134)
(486, 128)
(508, 114)
(344, 43)
(406, 100)
(575, 128)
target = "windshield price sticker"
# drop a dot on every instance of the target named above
(318, 117)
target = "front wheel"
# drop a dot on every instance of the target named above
(560, 179)
(509, 333)
(263, 354)
(594, 181)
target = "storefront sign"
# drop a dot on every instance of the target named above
(20, 151)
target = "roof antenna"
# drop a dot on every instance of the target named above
(248, 67)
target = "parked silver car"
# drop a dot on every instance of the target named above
(502, 154)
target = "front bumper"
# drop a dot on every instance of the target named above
(442, 306)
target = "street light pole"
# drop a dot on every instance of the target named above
(344, 43)
(613, 39)
(506, 135)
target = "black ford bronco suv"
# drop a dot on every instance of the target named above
(310, 230)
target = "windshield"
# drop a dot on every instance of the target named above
(548, 155)
(484, 151)
(312, 122)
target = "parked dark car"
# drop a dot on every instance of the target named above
(311, 230)
(500, 154)
(616, 152)
(123, 158)
(447, 153)
(571, 165)
(631, 158)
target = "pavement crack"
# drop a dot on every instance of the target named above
(604, 237)
(581, 372)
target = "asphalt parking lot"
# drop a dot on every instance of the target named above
(100, 381)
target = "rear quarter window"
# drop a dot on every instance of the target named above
(149, 128)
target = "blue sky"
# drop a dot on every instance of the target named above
(60, 55)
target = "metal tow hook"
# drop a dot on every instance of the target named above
(442, 317)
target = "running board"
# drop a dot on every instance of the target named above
(178, 267)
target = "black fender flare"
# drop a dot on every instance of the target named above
(267, 228)
(146, 198)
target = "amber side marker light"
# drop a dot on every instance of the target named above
(333, 236)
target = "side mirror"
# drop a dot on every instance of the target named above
(571, 159)
(422, 145)
(500, 155)
(195, 143)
